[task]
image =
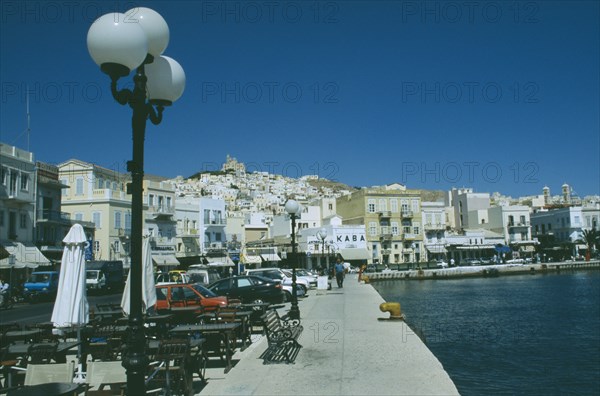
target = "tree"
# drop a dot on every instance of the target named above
(591, 238)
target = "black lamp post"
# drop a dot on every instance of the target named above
(293, 208)
(119, 43)
(322, 234)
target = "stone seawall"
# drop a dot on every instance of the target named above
(481, 271)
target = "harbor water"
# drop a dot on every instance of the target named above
(511, 335)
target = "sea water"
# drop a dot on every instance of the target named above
(510, 335)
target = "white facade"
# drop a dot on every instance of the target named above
(511, 221)
(17, 194)
(464, 201)
(565, 224)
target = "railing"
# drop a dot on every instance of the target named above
(407, 213)
(385, 213)
(386, 252)
(161, 209)
(410, 236)
(387, 236)
(218, 222)
(124, 232)
(519, 224)
(434, 226)
(53, 215)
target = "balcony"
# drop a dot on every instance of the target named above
(215, 222)
(409, 237)
(47, 215)
(386, 237)
(385, 214)
(124, 232)
(156, 212)
(520, 224)
(386, 252)
(405, 213)
(434, 226)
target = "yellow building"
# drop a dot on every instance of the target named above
(392, 218)
(98, 195)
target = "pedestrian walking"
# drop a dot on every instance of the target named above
(339, 272)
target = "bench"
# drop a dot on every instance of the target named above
(282, 336)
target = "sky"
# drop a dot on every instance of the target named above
(494, 95)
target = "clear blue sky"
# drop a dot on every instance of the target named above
(499, 96)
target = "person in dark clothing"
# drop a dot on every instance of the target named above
(339, 272)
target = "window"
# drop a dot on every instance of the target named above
(23, 220)
(79, 186)
(169, 203)
(382, 205)
(117, 247)
(65, 190)
(100, 182)
(206, 216)
(24, 181)
(3, 175)
(371, 206)
(79, 216)
(522, 220)
(128, 220)
(394, 228)
(96, 246)
(151, 200)
(415, 205)
(117, 219)
(372, 228)
(161, 293)
(416, 230)
(394, 205)
(107, 185)
(577, 221)
(97, 219)
(330, 206)
(244, 282)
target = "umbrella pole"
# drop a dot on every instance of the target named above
(79, 375)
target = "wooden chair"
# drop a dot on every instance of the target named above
(173, 372)
(101, 375)
(104, 343)
(44, 373)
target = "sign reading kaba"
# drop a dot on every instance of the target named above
(350, 240)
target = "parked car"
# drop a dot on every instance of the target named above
(441, 264)
(278, 274)
(41, 285)
(185, 295)
(199, 273)
(301, 274)
(249, 289)
(472, 261)
(175, 276)
(287, 292)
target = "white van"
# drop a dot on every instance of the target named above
(200, 273)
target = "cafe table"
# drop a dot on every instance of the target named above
(48, 388)
(225, 332)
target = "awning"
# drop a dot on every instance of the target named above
(26, 256)
(222, 261)
(355, 254)
(250, 259)
(165, 259)
(435, 248)
(270, 257)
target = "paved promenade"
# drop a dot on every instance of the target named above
(346, 351)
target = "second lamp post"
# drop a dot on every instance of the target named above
(293, 209)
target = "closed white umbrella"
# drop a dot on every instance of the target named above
(71, 308)
(148, 286)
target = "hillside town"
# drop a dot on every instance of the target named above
(233, 217)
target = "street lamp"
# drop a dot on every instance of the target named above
(119, 43)
(293, 209)
(322, 234)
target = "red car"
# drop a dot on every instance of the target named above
(187, 295)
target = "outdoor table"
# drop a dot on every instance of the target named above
(197, 353)
(114, 314)
(259, 310)
(49, 388)
(226, 332)
(187, 314)
(244, 329)
(159, 323)
(20, 350)
(26, 335)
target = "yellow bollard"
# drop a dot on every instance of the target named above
(393, 308)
